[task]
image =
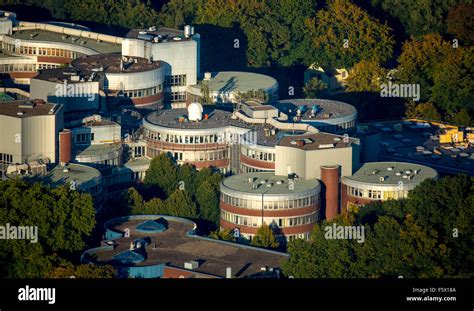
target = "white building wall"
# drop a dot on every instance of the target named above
(136, 80)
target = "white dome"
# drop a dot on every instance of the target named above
(195, 112)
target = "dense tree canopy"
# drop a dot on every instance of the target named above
(427, 235)
(342, 34)
(64, 218)
(366, 76)
(443, 71)
(419, 17)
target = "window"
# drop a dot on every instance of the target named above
(175, 80)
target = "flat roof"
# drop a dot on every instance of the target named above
(174, 247)
(240, 182)
(84, 176)
(317, 141)
(58, 75)
(99, 150)
(217, 118)
(393, 173)
(238, 81)
(166, 34)
(49, 36)
(110, 63)
(422, 146)
(327, 109)
(29, 109)
(137, 162)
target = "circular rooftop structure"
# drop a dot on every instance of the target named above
(326, 115)
(389, 176)
(77, 176)
(266, 183)
(239, 81)
(114, 63)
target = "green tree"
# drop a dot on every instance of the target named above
(225, 235)
(426, 16)
(180, 204)
(86, 271)
(366, 76)
(460, 23)
(134, 201)
(315, 88)
(265, 237)
(424, 111)
(343, 34)
(207, 197)
(187, 175)
(64, 218)
(427, 235)
(162, 173)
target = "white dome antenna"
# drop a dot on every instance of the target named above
(195, 112)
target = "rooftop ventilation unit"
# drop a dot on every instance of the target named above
(207, 76)
(269, 185)
(191, 265)
(152, 28)
(263, 181)
(251, 179)
(20, 113)
(374, 172)
(390, 168)
(27, 104)
(187, 31)
(254, 186)
(381, 178)
(326, 146)
(279, 182)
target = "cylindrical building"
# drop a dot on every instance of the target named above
(380, 181)
(290, 206)
(330, 180)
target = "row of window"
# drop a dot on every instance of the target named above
(176, 80)
(269, 205)
(194, 156)
(258, 155)
(303, 236)
(376, 194)
(84, 138)
(280, 222)
(247, 169)
(26, 67)
(176, 97)
(336, 128)
(183, 139)
(41, 51)
(6, 158)
(144, 92)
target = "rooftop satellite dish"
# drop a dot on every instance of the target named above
(195, 112)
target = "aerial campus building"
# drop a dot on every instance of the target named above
(160, 246)
(29, 47)
(100, 111)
